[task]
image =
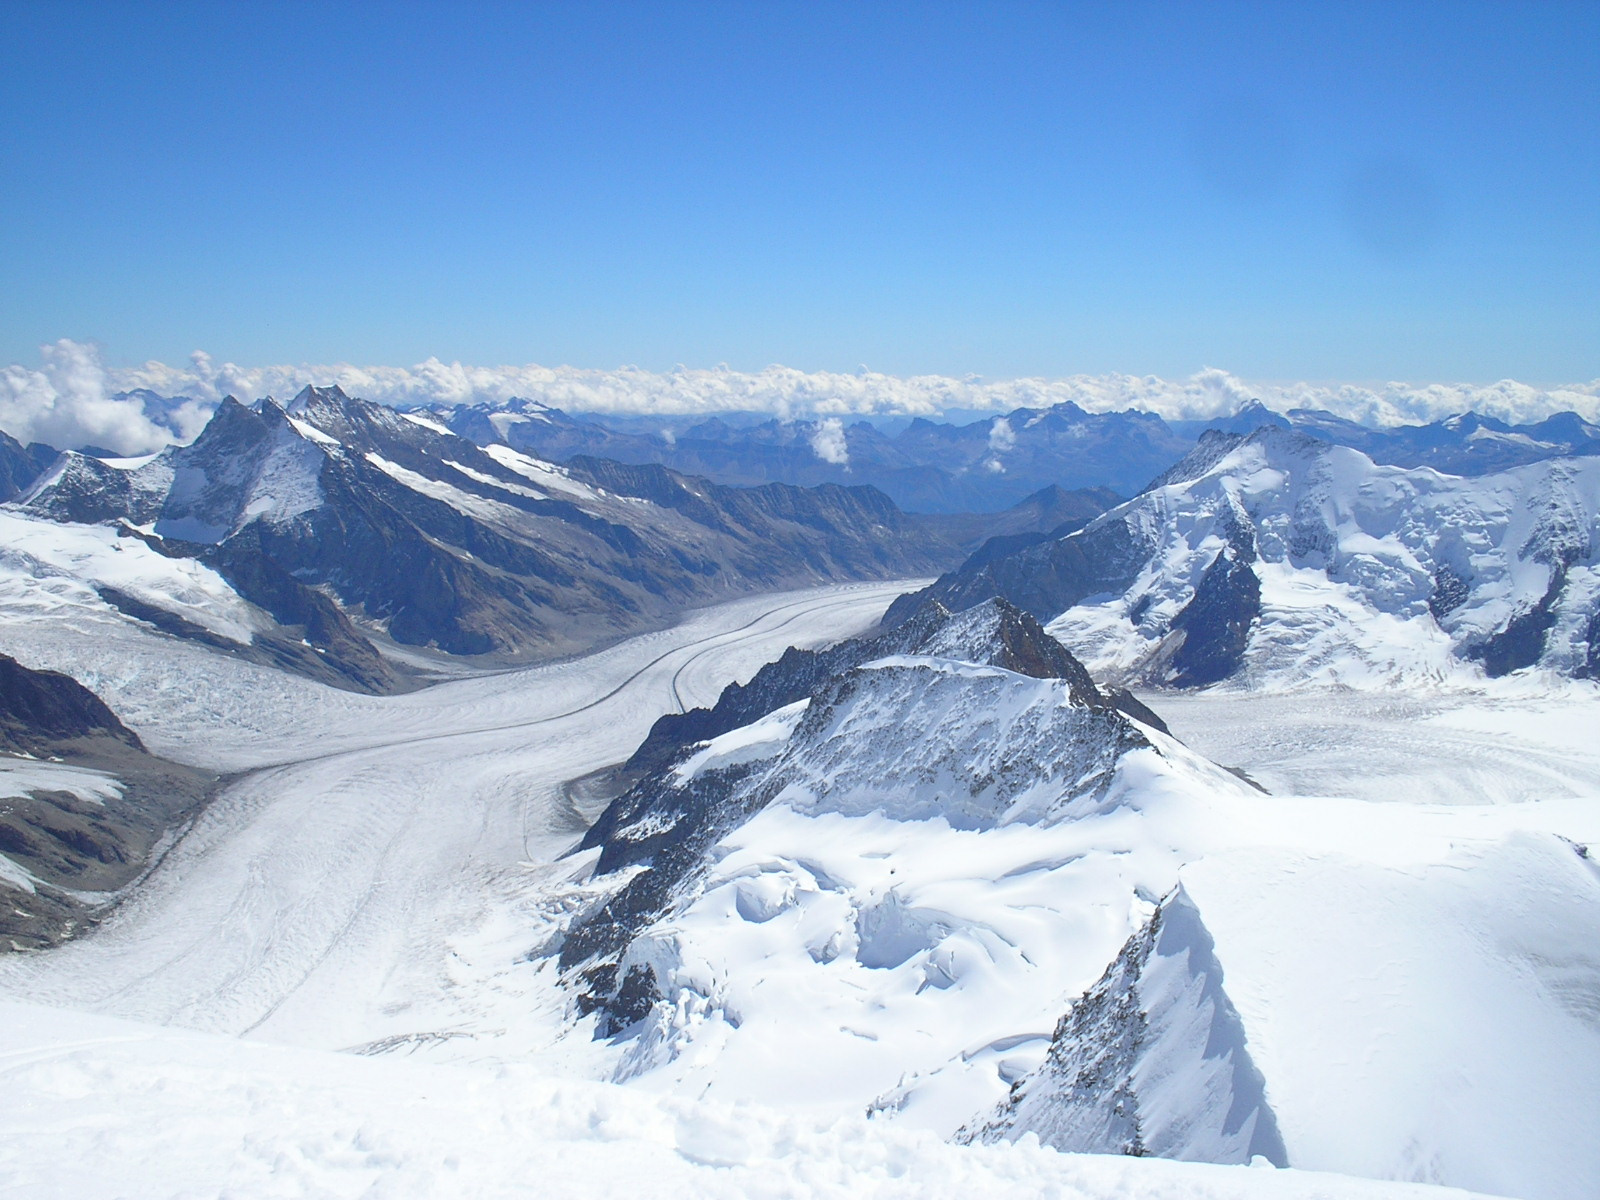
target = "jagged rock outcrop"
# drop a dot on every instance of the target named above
(41, 709)
(20, 465)
(1151, 1060)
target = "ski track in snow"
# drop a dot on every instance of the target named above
(317, 900)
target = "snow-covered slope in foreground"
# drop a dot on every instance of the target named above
(911, 876)
(95, 1109)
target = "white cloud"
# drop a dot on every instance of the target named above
(68, 401)
(1001, 436)
(828, 441)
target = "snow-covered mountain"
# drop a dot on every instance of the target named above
(336, 517)
(1464, 444)
(954, 884)
(951, 731)
(942, 466)
(1278, 558)
(926, 466)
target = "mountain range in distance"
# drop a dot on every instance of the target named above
(335, 521)
(966, 462)
(987, 464)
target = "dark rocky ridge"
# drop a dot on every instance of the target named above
(20, 465)
(39, 710)
(79, 852)
(1216, 623)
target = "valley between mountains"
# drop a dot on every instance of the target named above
(390, 814)
(317, 899)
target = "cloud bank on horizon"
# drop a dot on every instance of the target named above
(74, 399)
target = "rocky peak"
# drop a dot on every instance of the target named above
(999, 634)
(1151, 1060)
(313, 398)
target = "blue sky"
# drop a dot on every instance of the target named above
(1338, 191)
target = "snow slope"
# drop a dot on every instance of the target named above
(96, 1109)
(944, 856)
(49, 570)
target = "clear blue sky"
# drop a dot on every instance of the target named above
(1298, 190)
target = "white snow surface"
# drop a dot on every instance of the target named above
(547, 475)
(477, 507)
(101, 1109)
(49, 572)
(23, 776)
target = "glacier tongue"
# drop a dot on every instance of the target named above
(1152, 1060)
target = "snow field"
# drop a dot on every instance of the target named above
(98, 1108)
(1423, 974)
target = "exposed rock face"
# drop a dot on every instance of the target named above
(41, 709)
(86, 806)
(927, 710)
(999, 632)
(335, 508)
(1215, 624)
(20, 465)
(1278, 555)
(1152, 1060)
(1045, 578)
